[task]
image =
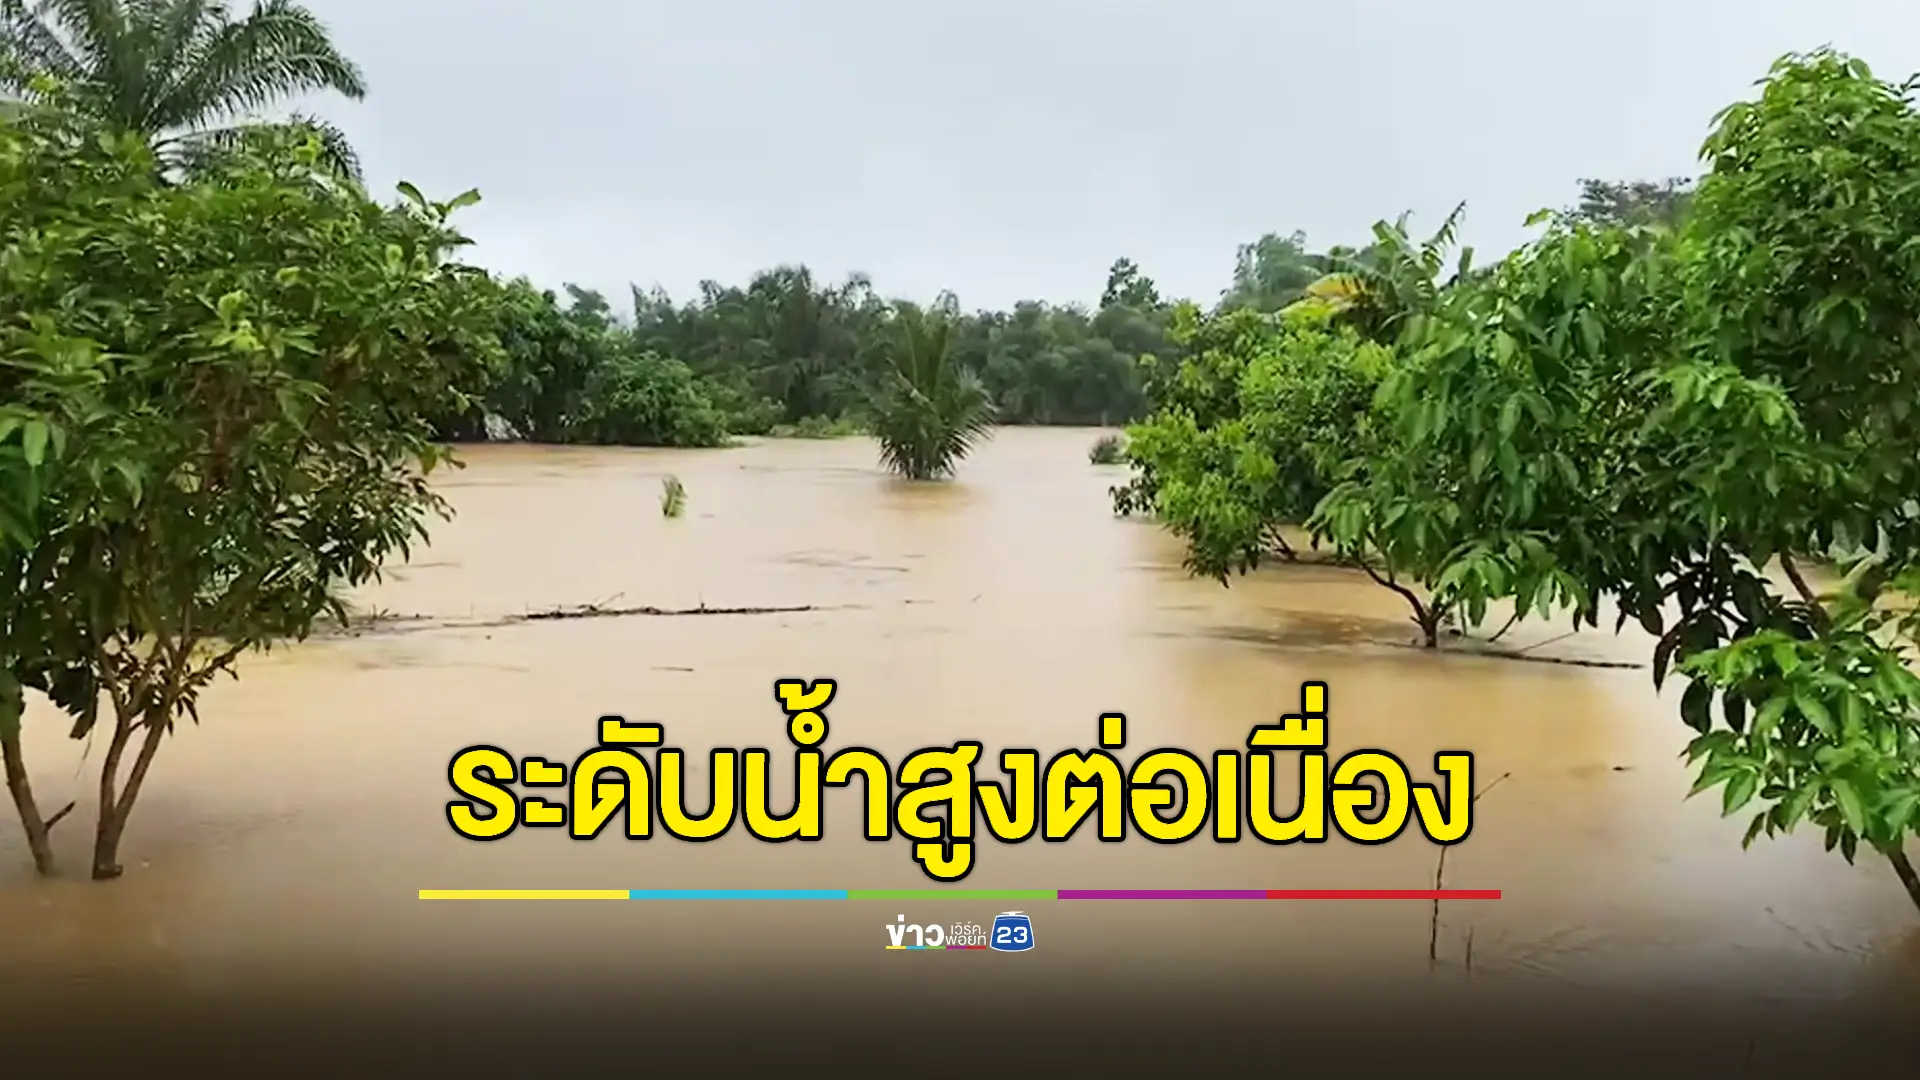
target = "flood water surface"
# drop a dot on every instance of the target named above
(288, 836)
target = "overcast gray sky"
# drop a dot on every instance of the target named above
(1013, 148)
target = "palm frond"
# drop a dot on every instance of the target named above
(30, 48)
(932, 410)
(1449, 230)
(203, 150)
(170, 30)
(336, 152)
(230, 69)
(96, 29)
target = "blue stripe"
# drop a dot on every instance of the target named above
(736, 894)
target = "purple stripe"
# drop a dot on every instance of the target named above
(1163, 894)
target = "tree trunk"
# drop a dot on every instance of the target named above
(106, 845)
(21, 787)
(106, 832)
(116, 807)
(1904, 870)
(1429, 619)
(1285, 549)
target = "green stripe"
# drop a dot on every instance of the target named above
(951, 894)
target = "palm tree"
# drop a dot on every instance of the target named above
(1378, 290)
(184, 73)
(931, 408)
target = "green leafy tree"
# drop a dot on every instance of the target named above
(645, 399)
(1659, 419)
(1272, 272)
(931, 410)
(185, 74)
(1128, 287)
(1632, 203)
(1511, 409)
(259, 350)
(574, 375)
(1199, 379)
(1229, 479)
(1804, 289)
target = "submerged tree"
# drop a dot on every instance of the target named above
(257, 353)
(1660, 418)
(930, 409)
(1801, 275)
(1286, 408)
(184, 74)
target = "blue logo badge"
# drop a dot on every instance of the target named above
(1012, 932)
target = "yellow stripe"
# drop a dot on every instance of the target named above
(523, 894)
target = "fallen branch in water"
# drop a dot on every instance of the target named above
(1570, 661)
(594, 611)
(1505, 654)
(1440, 881)
(389, 623)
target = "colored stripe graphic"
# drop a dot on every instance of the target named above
(523, 894)
(737, 894)
(1280, 894)
(1163, 894)
(952, 894)
(959, 894)
(1383, 894)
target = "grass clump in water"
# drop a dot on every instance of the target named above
(1108, 450)
(673, 497)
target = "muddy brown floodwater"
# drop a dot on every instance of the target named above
(286, 838)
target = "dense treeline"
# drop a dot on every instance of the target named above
(784, 353)
(789, 353)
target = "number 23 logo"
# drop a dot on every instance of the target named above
(1012, 932)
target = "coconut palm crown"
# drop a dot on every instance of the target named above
(931, 409)
(187, 74)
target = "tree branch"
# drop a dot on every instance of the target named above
(1421, 616)
(1903, 869)
(1799, 583)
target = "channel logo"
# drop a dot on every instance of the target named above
(961, 935)
(1012, 932)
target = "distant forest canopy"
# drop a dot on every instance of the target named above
(784, 353)
(789, 353)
